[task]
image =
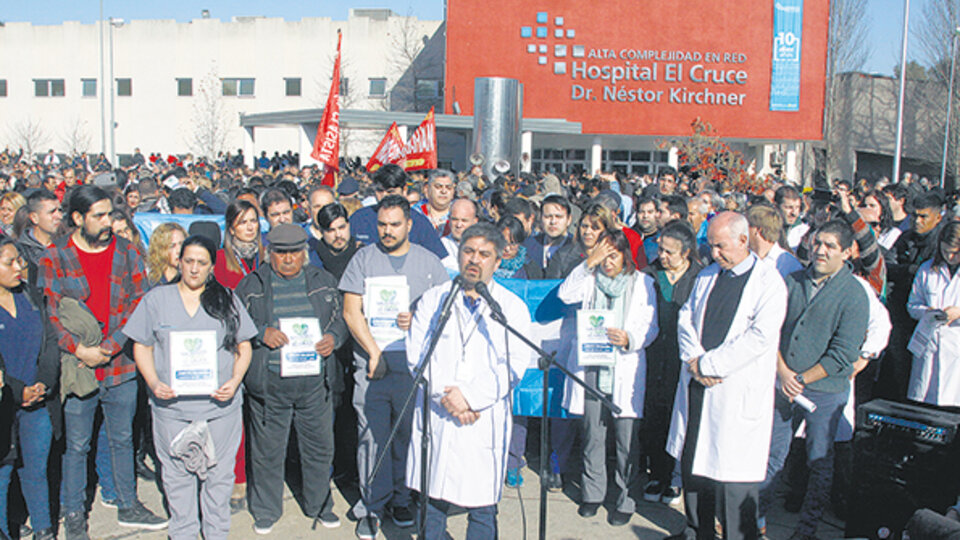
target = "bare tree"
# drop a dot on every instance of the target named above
(75, 137)
(846, 51)
(29, 135)
(409, 63)
(935, 42)
(208, 136)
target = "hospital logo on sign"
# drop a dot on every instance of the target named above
(551, 39)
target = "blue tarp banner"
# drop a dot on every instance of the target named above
(545, 308)
(787, 39)
(146, 222)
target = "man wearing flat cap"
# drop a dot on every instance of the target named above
(299, 317)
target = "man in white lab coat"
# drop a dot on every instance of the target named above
(472, 373)
(728, 333)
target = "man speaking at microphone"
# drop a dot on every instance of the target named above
(472, 373)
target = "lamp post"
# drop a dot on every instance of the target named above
(903, 84)
(113, 124)
(946, 130)
(103, 107)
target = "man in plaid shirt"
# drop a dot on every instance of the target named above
(106, 273)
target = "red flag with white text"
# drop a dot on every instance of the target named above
(326, 147)
(389, 151)
(421, 150)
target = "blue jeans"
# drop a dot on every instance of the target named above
(481, 521)
(108, 491)
(119, 404)
(34, 432)
(821, 429)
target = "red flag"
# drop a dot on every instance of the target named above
(326, 147)
(389, 151)
(421, 150)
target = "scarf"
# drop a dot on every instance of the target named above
(246, 250)
(509, 267)
(610, 294)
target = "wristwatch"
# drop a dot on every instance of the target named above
(799, 378)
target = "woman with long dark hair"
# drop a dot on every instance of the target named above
(193, 316)
(625, 300)
(935, 302)
(30, 363)
(242, 249)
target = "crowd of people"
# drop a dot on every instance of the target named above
(291, 335)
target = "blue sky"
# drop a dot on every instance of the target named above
(884, 26)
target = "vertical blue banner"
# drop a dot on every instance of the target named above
(785, 75)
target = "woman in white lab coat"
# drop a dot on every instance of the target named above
(935, 302)
(608, 280)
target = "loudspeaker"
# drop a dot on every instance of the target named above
(898, 468)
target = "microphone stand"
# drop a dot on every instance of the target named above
(545, 361)
(418, 380)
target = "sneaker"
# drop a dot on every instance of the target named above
(514, 478)
(670, 495)
(652, 491)
(367, 527)
(262, 526)
(328, 519)
(109, 503)
(143, 471)
(588, 510)
(139, 517)
(402, 516)
(75, 526)
(44, 534)
(554, 482)
(618, 518)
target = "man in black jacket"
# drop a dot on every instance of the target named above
(911, 249)
(285, 294)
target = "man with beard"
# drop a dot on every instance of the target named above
(336, 245)
(106, 274)
(648, 226)
(372, 283)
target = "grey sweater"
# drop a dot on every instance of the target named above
(827, 329)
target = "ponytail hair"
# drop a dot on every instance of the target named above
(216, 299)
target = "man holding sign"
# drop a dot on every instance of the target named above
(297, 310)
(380, 285)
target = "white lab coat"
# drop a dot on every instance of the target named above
(734, 438)
(467, 462)
(935, 375)
(640, 323)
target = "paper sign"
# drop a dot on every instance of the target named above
(593, 347)
(193, 363)
(299, 357)
(385, 297)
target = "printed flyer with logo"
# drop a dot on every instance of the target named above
(193, 363)
(386, 297)
(593, 346)
(299, 358)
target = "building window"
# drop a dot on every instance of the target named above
(344, 86)
(124, 87)
(378, 87)
(238, 87)
(292, 86)
(3, 88)
(89, 87)
(185, 87)
(48, 88)
(427, 89)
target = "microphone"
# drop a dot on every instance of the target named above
(452, 296)
(484, 293)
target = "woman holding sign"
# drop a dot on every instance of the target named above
(615, 322)
(192, 348)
